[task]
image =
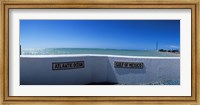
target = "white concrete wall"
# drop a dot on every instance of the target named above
(155, 70)
(38, 70)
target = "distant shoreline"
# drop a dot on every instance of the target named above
(178, 53)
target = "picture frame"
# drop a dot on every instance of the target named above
(5, 99)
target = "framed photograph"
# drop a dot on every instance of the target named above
(99, 52)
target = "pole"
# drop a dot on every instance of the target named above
(20, 50)
(157, 45)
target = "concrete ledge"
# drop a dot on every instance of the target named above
(37, 70)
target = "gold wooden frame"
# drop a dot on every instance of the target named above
(5, 99)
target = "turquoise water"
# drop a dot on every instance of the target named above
(69, 51)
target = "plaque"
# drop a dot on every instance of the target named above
(67, 65)
(131, 65)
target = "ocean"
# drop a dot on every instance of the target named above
(120, 52)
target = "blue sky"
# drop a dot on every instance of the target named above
(113, 34)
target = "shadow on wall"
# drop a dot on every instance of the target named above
(112, 77)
